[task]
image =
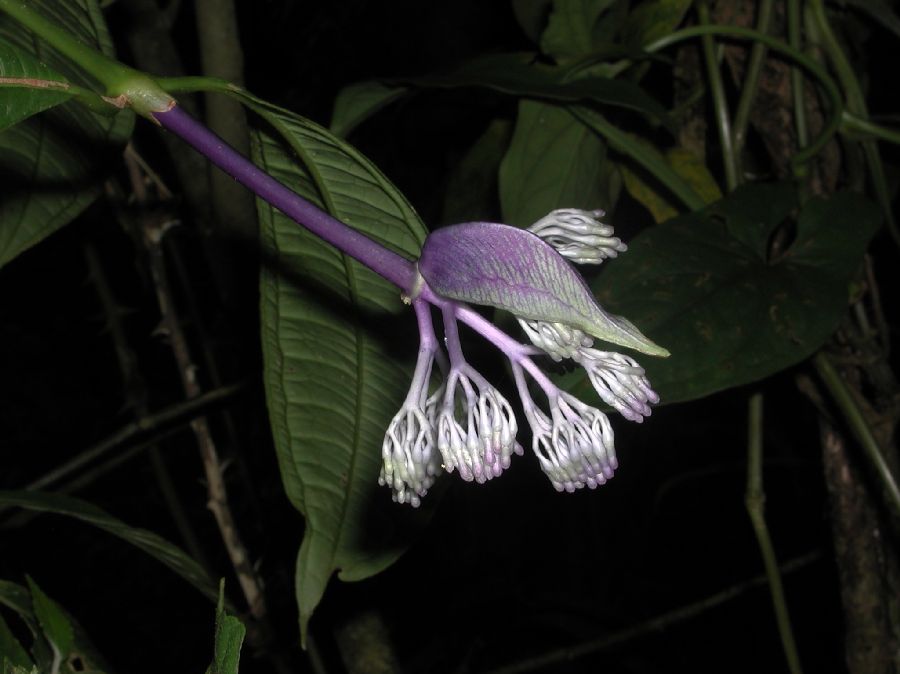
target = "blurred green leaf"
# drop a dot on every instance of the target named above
(553, 161)
(653, 19)
(52, 165)
(520, 75)
(472, 188)
(7, 667)
(570, 28)
(333, 377)
(53, 621)
(687, 166)
(11, 651)
(154, 545)
(229, 637)
(18, 102)
(357, 102)
(531, 16)
(703, 285)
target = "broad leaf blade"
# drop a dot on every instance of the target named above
(702, 285)
(553, 161)
(27, 86)
(154, 545)
(52, 165)
(332, 380)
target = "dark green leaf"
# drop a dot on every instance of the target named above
(154, 545)
(652, 20)
(333, 378)
(472, 188)
(702, 285)
(52, 165)
(531, 16)
(570, 29)
(553, 161)
(520, 75)
(355, 103)
(27, 86)
(11, 651)
(54, 623)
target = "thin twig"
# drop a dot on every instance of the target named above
(860, 429)
(755, 501)
(653, 625)
(751, 81)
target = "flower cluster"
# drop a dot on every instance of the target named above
(463, 423)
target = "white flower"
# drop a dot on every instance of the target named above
(578, 235)
(558, 340)
(619, 381)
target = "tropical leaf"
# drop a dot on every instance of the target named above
(706, 286)
(357, 102)
(570, 29)
(332, 379)
(154, 545)
(27, 86)
(52, 165)
(553, 161)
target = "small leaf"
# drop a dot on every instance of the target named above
(154, 545)
(229, 637)
(333, 374)
(11, 651)
(553, 161)
(512, 269)
(355, 103)
(27, 86)
(53, 621)
(702, 284)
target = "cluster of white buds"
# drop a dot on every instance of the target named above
(466, 425)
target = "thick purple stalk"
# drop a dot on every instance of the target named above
(396, 269)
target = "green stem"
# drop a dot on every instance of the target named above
(720, 105)
(796, 75)
(855, 124)
(755, 499)
(751, 81)
(829, 86)
(139, 91)
(840, 392)
(856, 104)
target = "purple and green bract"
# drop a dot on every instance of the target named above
(513, 269)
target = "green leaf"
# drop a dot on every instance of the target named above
(472, 188)
(11, 651)
(553, 161)
(704, 285)
(229, 637)
(653, 19)
(27, 86)
(54, 623)
(7, 667)
(520, 75)
(570, 30)
(154, 545)
(333, 377)
(687, 166)
(52, 165)
(355, 103)
(531, 15)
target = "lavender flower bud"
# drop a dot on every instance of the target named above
(410, 463)
(579, 235)
(619, 381)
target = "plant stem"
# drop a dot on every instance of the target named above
(856, 104)
(831, 89)
(388, 264)
(860, 429)
(720, 105)
(796, 75)
(755, 502)
(751, 81)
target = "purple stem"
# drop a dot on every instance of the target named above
(393, 267)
